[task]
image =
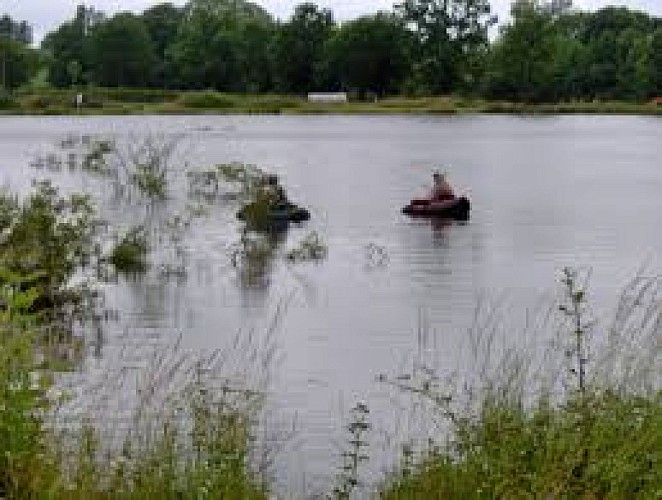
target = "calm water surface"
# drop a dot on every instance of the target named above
(546, 192)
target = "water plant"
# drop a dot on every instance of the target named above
(354, 455)
(254, 255)
(147, 163)
(238, 180)
(310, 248)
(130, 253)
(48, 237)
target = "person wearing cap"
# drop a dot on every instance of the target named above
(441, 190)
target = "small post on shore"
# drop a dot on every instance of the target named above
(79, 101)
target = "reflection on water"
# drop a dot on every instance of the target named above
(545, 192)
(254, 256)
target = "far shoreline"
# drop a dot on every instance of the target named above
(119, 102)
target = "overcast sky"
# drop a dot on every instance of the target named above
(45, 15)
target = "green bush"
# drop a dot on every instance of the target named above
(47, 237)
(207, 100)
(6, 100)
(130, 253)
(606, 446)
(130, 95)
(26, 464)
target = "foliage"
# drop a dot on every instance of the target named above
(221, 44)
(162, 22)
(355, 454)
(18, 64)
(508, 452)
(656, 61)
(145, 166)
(207, 100)
(449, 36)
(121, 52)
(600, 439)
(15, 30)
(299, 49)
(310, 248)
(6, 101)
(25, 461)
(523, 57)
(130, 253)
(257, 212)
(46, 236)
(194, 446)
(369, 54)
(232, 180)
(547, 52)
(68, 47)
(188, 444)
(198, 451)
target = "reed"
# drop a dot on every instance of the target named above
(582, 420)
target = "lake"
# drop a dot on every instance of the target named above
(546, 192)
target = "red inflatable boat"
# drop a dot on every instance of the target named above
(455, 208)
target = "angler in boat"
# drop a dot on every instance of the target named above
(441, 202)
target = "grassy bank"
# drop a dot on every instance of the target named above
(149, 101)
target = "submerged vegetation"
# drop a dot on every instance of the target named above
(194, 443)
(130, 253)
(311, 248)
(191, 426)
(583, 418)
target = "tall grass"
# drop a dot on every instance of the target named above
(582, 420)
(184, 432)
(194, 445)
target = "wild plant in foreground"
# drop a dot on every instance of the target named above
(26, 463)
(601, 439)
(354, 455)
(178, 429)
(575, 308)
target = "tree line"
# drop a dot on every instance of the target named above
(547, 51)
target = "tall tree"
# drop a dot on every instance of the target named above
(450, 35)
(121, 53)
(370, 54)
(18, 63)
(68, 48)
(299, 49)
(522, 59)
(163, 22)
(656, 61)
(222, 45)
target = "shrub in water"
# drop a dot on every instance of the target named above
(130, 254)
